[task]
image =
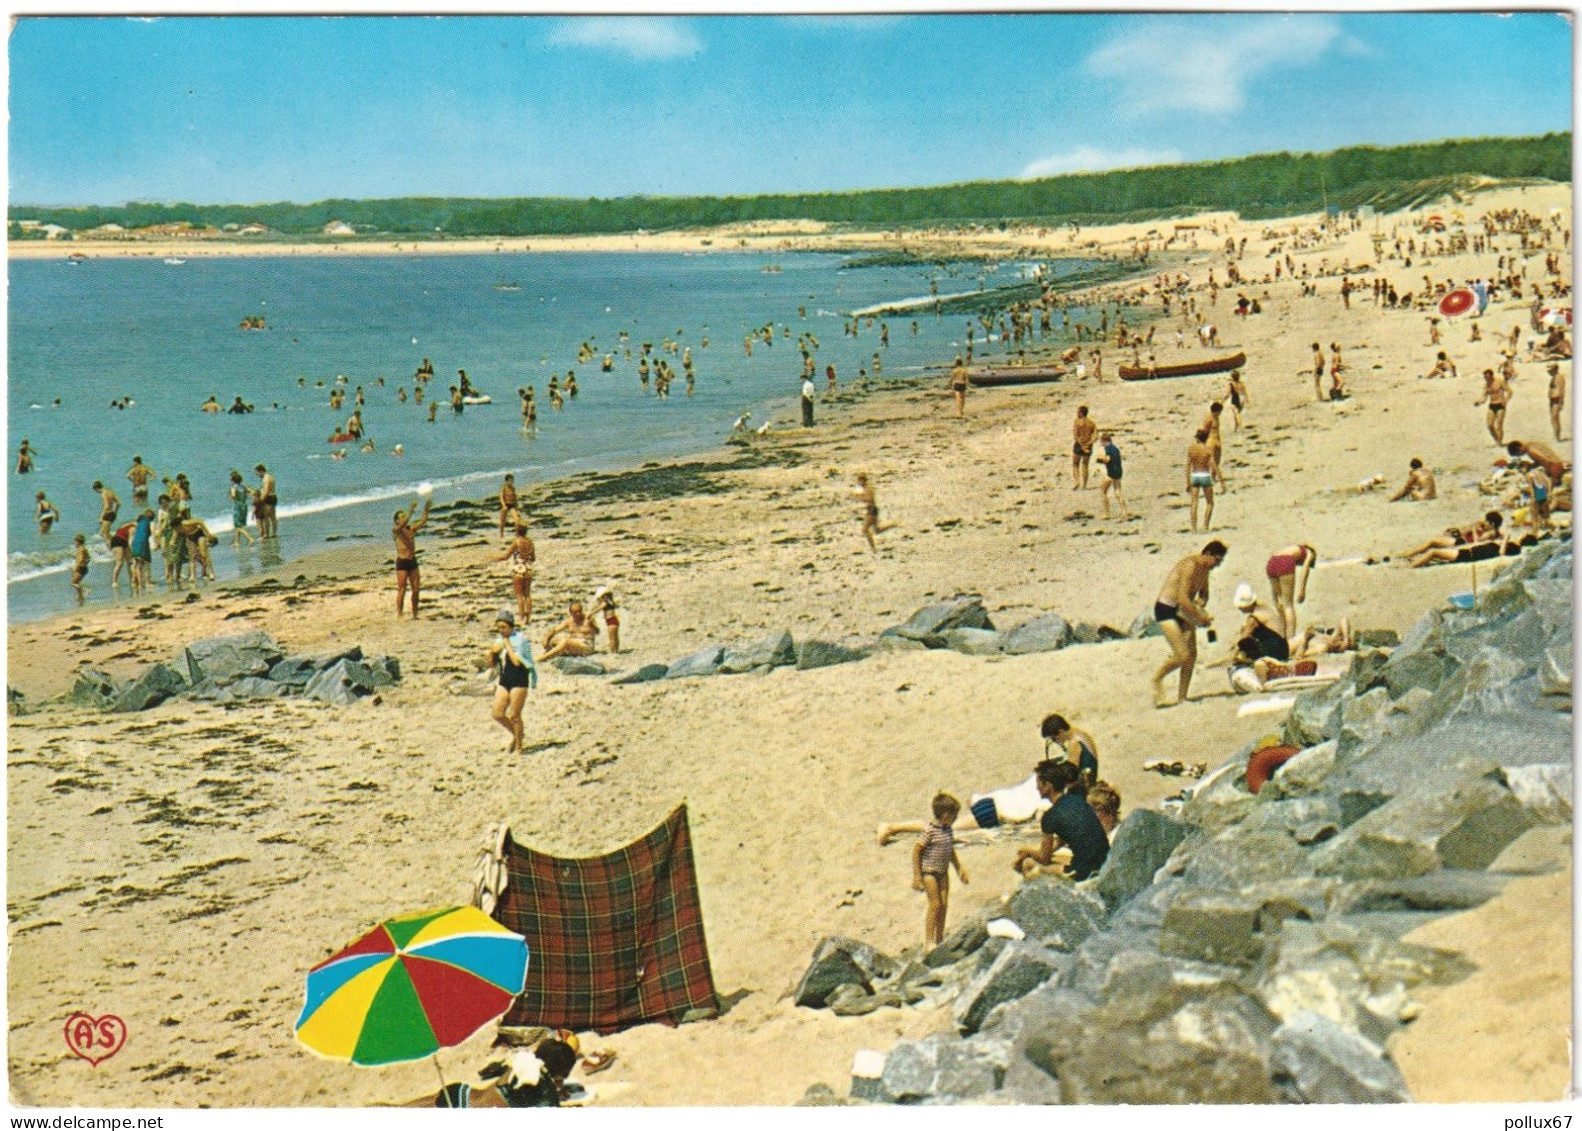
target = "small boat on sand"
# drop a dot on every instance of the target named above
(995, 375)
(1185, 369)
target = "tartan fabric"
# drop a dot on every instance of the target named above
(617, 940)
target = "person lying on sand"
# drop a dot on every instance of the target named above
(1419, 486)
(574, 636)
(1474, 543)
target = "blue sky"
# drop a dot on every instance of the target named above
(304, 108)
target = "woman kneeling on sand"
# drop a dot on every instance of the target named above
(512, 654)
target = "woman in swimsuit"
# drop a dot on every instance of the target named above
(1261, 635)
(512, 653)
(1290, 588)
(1475, 543)
(1079, 746)
(604, 605)
(521, 555)
(241, 497)
(1236, 394)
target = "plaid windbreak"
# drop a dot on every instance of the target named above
(616, 940)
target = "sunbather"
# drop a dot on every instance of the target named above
(1474, 543)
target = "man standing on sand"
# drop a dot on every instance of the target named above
(1082, 432)
(405, 535)
(1215, 443)
(1179, 610)
(1497, 391)
(1557, 398)
(1318, 371)
(958, 385)
(267, 501)
(1419, 486)
(808, 393)
(1200, 476)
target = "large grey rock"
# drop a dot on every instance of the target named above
(1544, 790)
(705, 661)
(892, 641)
(840, 961)
(221, 659)
(1326, 1064)
(1449, 889)
(241, 690)
(1463, 826)
(974, 641)
(330, 659)
(965, 937)
(1377, 638)
(944, 1069)
(1239, 856)
(1141, 845)
(153, 687)
(1554, 674)
(1056, 911)
(1144, 626)
(771, 652)
(648, 673)
(822, 654)
(95, 688)
(929, 624)
(1019, 969)
(296, 670)
(1212, 926)
(1315, 716)
(1041, 634)
(343, 684)
(578, 665)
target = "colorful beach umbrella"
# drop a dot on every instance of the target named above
(1458, 301)
(412, 986)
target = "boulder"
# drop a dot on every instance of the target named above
(837, 962)
(705, 661)
(1212, 926)
(645, 674)
(1141, 845)
(1144, 626)
(150, 689)
(578, 665)
(1239, 856)
(944, 1068)
(1431, 826)
(1544, 790)
(1327, 1064)
(241, 690)
(929, 624)
(1019, 969)
(964, 938)
(974, 641)
(1377, 637)
(1315, 716)
(851, 1000)
(221, 659)
(822, 654)
(1056, 912)
(330, 659)
(1041, 634)
(344, 683)
(773, 651)
(296, 670)
(95, 688)
(1449, 889)
(892, 641)
(1554, 674)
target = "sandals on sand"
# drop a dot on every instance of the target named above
(598, 1061)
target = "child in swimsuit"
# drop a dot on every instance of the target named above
(604, 603)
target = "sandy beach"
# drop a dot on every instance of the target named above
(197, 860)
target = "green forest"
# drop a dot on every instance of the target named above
(1261, 186)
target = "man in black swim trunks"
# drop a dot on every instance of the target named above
(1180, 611)
(405, 535)
(110, 506)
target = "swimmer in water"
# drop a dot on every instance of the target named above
(46, 514)
(24, 457)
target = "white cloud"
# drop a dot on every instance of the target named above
(642, 37)
(1205, 63)
(1090, 159)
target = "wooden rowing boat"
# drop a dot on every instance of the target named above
(1185, 369)
(1016, 375)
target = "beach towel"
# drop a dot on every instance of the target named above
(617, 940)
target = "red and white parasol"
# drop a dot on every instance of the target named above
(1458, 301)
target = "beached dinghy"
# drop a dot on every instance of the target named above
(1185, 369)
(990, 376)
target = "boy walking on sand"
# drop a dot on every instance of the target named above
(931, 863)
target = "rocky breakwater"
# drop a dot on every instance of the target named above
(236, 669)
(1247, 948)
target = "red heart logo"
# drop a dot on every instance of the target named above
(95, 1039)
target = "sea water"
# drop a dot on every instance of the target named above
(167, 336)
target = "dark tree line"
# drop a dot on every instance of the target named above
(1261, 186)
